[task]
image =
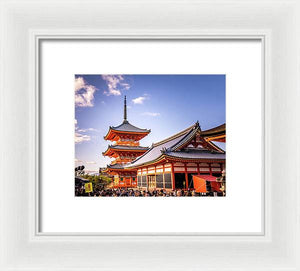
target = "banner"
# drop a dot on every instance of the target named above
(88, 187)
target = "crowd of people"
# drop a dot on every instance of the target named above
(130, 192)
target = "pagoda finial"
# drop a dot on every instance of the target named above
(125, 110)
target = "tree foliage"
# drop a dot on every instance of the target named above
(99, 182)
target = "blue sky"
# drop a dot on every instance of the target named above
(166, 104)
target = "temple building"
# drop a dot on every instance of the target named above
(215, 134)
(171, 163)
(125, 149)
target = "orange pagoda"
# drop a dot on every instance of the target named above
(125, 148)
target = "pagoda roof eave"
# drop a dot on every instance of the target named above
(128, 148)
(126, 128)
(124, 148)
(112, 131)
(116, 168)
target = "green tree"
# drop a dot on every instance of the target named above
(99, 182)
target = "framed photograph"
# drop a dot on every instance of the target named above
(151, 143)
(157, 134)
(188, 163)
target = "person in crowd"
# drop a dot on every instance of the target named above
(134, 192)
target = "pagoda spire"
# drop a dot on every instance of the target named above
(125, 110)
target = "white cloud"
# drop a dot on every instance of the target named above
(151, 114)
(90, 162)
(115, 84)
(139, 100)
(79, 138)
(79, 83)
(84, 93)
(85, 162)
(87, 130)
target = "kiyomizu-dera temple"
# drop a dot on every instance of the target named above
(171, 163)
(168, 164)
(125, 149)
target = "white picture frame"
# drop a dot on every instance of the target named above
(24, 23)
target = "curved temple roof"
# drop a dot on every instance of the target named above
(128, 127)
(216, 134)
(112, 148)
(202, 154)
(116, 166)
(221, 129)
(125, 147)
(169, 146)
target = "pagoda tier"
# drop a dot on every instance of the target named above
(125, 133)
(126, 149)
(118, 169)
(122, 177)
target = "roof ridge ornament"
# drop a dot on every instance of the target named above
(163, 150)
(197, 125)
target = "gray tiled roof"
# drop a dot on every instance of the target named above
(116, 166)
(125, 147)
(185, 139)
(221, 129)
(155, 151)
(128, 127)
(197, 154)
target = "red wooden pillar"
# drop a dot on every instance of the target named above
(164, 186)
(198, 169)
(210, 171)
(155, 175)
(173, 176)
(186, 177)
(147, 184)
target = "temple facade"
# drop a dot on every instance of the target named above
(125, 149)
(172, 163)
